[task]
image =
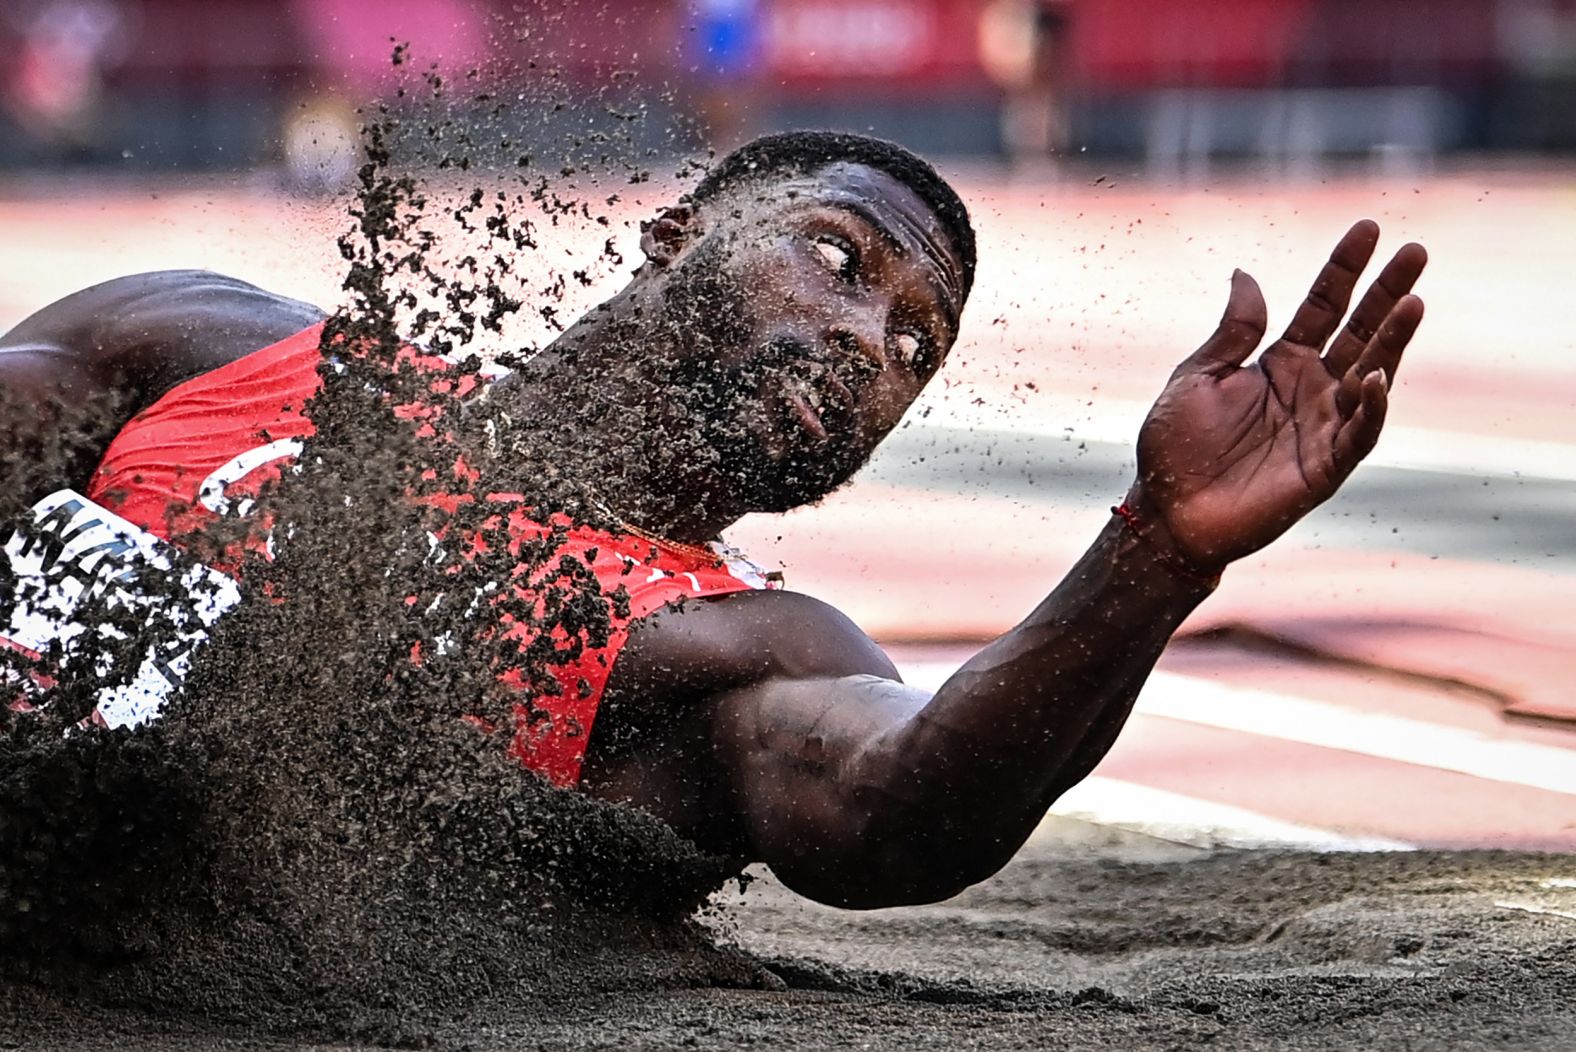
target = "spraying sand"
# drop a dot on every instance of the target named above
(317, 845)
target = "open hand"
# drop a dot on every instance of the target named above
(1232, 455)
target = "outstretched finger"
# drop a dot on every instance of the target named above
(1240, 331)
(1395, 281)
(1384, 351)
(1358, 436)
(1322, 311)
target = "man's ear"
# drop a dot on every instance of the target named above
(664, 238)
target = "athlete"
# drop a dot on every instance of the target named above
(805, 292)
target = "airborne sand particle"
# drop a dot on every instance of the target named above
(313, 846)
(317, 835)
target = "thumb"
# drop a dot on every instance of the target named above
(1240, 330)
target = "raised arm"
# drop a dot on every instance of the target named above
(73, 373)
(860, 791)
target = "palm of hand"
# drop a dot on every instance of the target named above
(1232, 455)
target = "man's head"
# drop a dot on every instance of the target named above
(809, 287)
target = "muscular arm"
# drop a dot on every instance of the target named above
(73, 373)
(806, 752)
(861, 791)
(923, 797)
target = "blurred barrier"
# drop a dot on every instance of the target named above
(206, 83)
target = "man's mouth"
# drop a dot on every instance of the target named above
(802, 399)
(817, 401)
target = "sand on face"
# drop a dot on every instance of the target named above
(1090, 939)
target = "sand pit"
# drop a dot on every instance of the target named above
(1090, 939)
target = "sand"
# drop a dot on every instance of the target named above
(312, 851)
(1089, 939)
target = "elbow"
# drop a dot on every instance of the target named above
(899, 854)
(884, 878)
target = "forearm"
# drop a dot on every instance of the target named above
(859, 791)
(1031, 714)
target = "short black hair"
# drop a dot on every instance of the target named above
(787, 154)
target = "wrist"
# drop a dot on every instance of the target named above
(1138, 518)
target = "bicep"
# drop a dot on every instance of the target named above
(768, 724)
(694, 686)
(679, 658)
(818, 725)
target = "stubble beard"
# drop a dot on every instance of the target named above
(725, 381)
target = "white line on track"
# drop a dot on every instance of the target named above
(1271, 715)
(1410, 448)
(1201, 823)
(1424, 744)
(1533, 907)
(1172, 816)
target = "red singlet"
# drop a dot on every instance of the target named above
(207, 446)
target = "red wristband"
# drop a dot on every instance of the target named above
(1175, 563)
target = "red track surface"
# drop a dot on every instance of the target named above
(1091, 294)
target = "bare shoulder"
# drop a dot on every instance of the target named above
(156, 329)
(73, 372)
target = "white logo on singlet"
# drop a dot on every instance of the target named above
(75, 552)
(211, 493)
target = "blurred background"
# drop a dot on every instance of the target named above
(1173, 84)
(1395, 672)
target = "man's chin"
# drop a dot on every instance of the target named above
(793, 483)
(775, 503)
(771, 468)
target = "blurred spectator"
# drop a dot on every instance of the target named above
(53, 87)
(1024, 47)
(351, 41)
(322, 144)
(725, 51)
(160, 84)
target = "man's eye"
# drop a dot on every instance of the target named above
(839, 256)
(910, 348)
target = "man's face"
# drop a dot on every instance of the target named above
(809, 313)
